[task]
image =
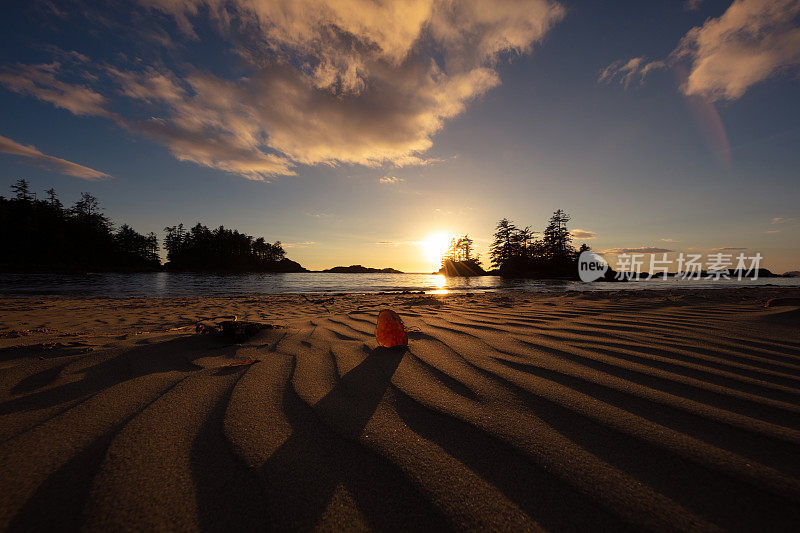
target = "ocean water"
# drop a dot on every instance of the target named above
(166, 284)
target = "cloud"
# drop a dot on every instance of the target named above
(391, 180)
(321, 82)
(304, 244)
(640, 250)
(583, 234)
(728, 249)
(750, 42)
(149, 84)
(773, 231)
(692, 5)
(669, 240)
(9, 146)
(628, 72)
(400, 243)
(781, 220)
(40, 82)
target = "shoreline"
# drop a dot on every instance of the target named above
(110, 289)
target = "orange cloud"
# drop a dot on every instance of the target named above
(10, 146)
(40, 82)
(583, 234)
(323, 82)
(750, 42)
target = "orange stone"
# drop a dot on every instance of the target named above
(391, 331)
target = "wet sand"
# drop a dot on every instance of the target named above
(617, 410)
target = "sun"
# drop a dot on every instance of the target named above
(435, 246)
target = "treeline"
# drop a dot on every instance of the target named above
(460, 259)
(525, 253)
(461, 249)
(41, 235)
(223, 250)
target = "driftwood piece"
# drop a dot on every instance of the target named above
(234, 330)
(321, 301)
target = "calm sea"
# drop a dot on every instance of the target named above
(164, 284)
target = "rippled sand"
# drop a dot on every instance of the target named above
(647, 410)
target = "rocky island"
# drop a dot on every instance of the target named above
(358, 269)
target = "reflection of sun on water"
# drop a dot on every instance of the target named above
(441, 285)
(435, 246)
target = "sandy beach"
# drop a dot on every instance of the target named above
(617, 410)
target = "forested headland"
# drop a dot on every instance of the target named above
(223, 250)
(519, 252)
(522, 252)
(42, 235)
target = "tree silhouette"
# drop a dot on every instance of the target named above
(459, 259)
(223, 250)
(43, 236)
(504, 245)
(87, 206)
(133, 247)
(517, 252)
(21, 190)
(466, 246)
(52, 198)
(460, 249)
(453, 251)
(557, 239)
(523, 239)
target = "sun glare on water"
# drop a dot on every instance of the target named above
(435, 246)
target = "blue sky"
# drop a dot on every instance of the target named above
(356, 134)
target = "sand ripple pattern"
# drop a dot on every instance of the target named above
(505, 413)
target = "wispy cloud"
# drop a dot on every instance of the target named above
(669, 240)
(773, 231)
(583, 234)
(391, 180)
(400, 243)
(633, 71)
(31, 153)
(750, 42)
(781, 220)
(728, 249)
(40, 82)
(304, 244)
(322, 82)
(639, 250)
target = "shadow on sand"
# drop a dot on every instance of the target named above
(318, 469)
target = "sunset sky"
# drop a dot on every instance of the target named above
(354, 130)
